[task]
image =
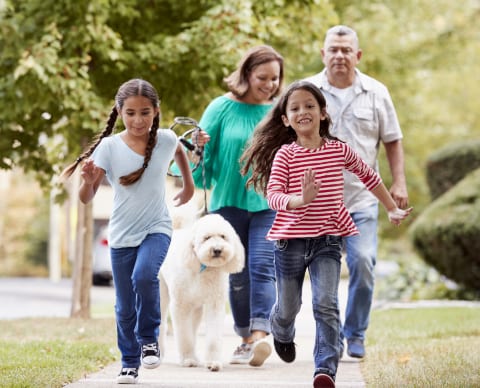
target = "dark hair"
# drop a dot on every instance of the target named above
(237, 82)
(271, 133)
(134, 87)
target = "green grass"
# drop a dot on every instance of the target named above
(50, 352)
(437, 347)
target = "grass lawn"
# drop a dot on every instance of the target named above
(436, 347)
(51, 352)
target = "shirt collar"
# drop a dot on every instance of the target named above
(360, 84)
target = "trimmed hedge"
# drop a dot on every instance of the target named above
(449, 165)
(447, 233)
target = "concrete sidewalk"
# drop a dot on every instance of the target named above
(274, 373)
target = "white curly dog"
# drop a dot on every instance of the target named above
(194, 283)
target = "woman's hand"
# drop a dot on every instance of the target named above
(200, 138)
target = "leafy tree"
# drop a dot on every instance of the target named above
(63, 60)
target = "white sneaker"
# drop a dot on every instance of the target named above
(261, 350)
(128, 376)
(242, 354)
(150, 355)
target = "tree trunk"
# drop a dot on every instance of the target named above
(82, 268)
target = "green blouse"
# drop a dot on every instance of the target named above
(230, 125)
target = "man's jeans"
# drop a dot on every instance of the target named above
(137, 307)
(361, 257)
(322, 257)
(252, 291)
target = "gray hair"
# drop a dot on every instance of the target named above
(341, 30)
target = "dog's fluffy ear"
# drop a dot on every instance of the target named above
(238, 260)
(185, 245)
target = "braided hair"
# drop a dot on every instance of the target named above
(134, 87)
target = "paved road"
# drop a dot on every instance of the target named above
(40, 297)
(29, 297)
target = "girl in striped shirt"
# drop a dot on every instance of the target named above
(299, 166)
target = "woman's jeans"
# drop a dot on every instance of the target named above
(361, 257)
(137, 309)
(322, 257)
(252, 291)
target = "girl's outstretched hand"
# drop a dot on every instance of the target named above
(90, 172)
(397, 215)
(310, 186)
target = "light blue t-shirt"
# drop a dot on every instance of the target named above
(138, 209)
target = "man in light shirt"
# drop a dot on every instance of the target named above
(363, 115)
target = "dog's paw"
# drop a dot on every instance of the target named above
(190, 362)
(214, 366)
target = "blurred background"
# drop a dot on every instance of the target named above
(62, 61)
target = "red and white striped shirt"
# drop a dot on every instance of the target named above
(326, 214)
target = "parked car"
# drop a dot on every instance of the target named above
(101, 264)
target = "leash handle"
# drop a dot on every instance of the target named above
(192, 147)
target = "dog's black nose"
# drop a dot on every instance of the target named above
(216, 252)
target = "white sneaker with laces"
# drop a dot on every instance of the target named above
(150, 355)
(242, 354)
(128, 376)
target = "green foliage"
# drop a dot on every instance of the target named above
(446, 234)
(415, 280)
(63, 60)
(449, 165)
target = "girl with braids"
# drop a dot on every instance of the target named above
(135, 162)
(299, 166)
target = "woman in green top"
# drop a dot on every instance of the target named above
(229, 121)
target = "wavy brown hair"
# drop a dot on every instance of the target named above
(271, 133)
(237, 82)
(132, 88)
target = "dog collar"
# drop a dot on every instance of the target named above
(203, 267)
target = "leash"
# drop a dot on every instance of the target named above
(192, 147)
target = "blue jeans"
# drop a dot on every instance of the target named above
(137, 292)
(322, 257)
(252, 291)
(361, 257)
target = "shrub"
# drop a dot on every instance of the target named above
(446, 234)
(449, 165)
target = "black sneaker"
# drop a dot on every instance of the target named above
(128, 376)
(286, 351)
(150, 355)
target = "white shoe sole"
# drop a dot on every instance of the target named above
(151, 365)
(260, 352)
(127, 380)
